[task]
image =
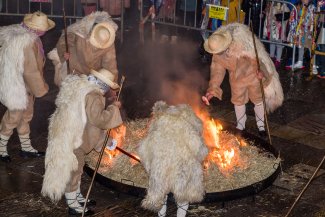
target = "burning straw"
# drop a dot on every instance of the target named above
(247, 163)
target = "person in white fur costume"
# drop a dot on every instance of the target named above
(233, 51)
(21, 79)
(78, 125)
(172, 154)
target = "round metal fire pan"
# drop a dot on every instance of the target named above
(127, 186)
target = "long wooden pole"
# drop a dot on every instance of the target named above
(261, 84)
(66, 38)
(101, 154)
(306, 186)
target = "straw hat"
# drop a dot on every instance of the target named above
(218, 42)
(38, 21)
(102, 36)
(106, 76)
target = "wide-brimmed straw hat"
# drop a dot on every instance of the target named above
(38, 21)
(218, 42)
(106, 76)
(102, 35)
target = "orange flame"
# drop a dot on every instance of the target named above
(118, 134)
(225, 156)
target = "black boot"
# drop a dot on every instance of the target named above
(77, 212)
(6, 159)
(27, 154)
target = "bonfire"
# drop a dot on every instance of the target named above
(232, 162)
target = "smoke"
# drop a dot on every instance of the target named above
(174, 73)
(157, 71)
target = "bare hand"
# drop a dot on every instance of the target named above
(207, 98)
(66, 56)
(117, 103)
(259, 75)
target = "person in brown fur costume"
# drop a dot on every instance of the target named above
(172, 154)
(233, 51)
(91, 46)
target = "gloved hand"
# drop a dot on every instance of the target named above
(111, 144)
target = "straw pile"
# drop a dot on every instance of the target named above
(251, 166)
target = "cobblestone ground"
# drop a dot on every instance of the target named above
(297, 129)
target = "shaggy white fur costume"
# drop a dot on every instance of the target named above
(65, 134)
(242, 36)
(82, 28)
(13, 40)
(172, 154)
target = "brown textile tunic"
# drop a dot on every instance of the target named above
(35, 86)
(84, 56)
(99, 120)
(242, 78)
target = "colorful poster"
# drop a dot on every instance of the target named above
(218, 12)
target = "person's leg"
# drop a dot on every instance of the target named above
(299, 63)
(23, 130)
(259, 116)
(240, 111)
(182, 209)
(81, 199)
(163, 210)
(277, 61)
(4, 156)
(272, 50)
(8, 123)
(72, 187)
(279, 49)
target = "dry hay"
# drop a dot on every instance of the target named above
(255, 164)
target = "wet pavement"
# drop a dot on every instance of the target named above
(173, 72)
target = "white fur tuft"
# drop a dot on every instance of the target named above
(60, 69)
(65, 134)
(172, 154)
(13, 40)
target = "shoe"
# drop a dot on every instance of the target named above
(321, 76)
(262, 133)
(288, 67)
(77, 212)
(6, 159)
(90, 203)
(239, 133)
(315, 72)
(299, 65)
(277, 64)
(27, 154)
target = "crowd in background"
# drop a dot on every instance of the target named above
(278, 23)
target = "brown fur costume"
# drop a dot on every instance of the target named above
(172, 154)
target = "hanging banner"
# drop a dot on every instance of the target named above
(218, 12)
(49, 1)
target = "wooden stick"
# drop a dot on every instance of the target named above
(100, 154)
(128, 154)
(304, 189)
(66, 38)
(261, 85)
